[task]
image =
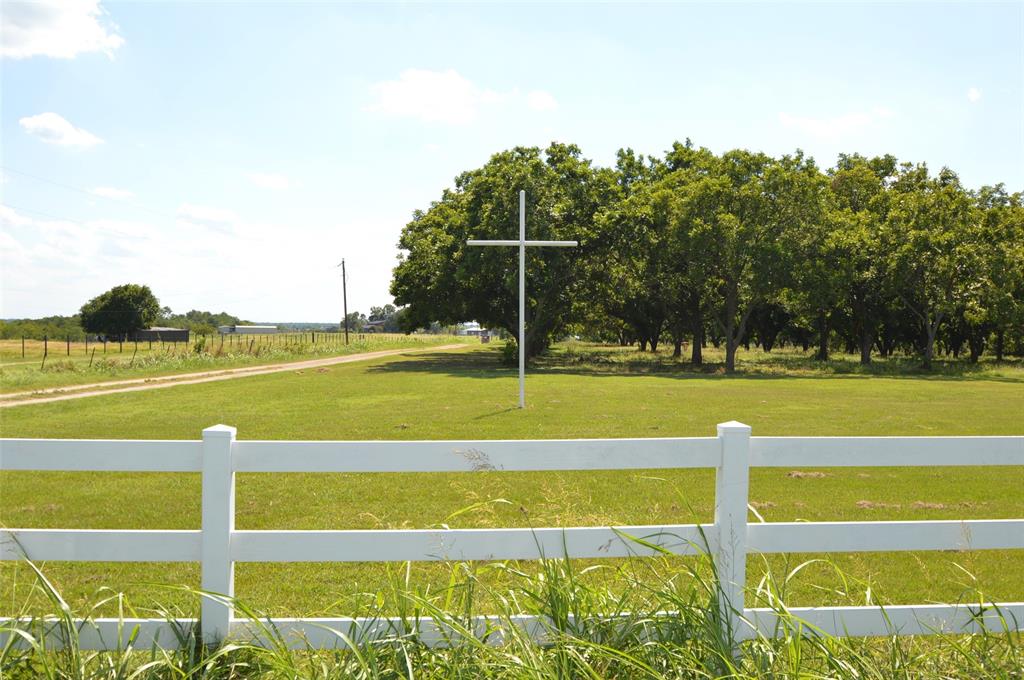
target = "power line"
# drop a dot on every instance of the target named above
(87, 192)
(68, 219)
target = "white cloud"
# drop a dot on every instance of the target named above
(973, 94)
(837, 126)
(431, 147)
(10, 218)
(204, 213)
(66, 261)
(433, 96)
(269, 180)
(111, 192)
(56, 28)
(539, 100)
(54, 129)
(447, 97)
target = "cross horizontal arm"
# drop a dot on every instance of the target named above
(555, 244)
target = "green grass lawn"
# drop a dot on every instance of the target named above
(467, 394)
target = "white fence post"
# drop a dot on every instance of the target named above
(732, 483)
(218, 571)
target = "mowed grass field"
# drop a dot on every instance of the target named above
(468, 394)
(79, 363)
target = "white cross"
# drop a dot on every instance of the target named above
(522, 243)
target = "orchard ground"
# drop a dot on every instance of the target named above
(579, 391)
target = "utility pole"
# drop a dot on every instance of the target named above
(344, 299)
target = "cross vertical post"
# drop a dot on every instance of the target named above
(522, 298)
(522, 243)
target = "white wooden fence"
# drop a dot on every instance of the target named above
(218, 545)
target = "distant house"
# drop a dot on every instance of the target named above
(472, 328)
(247, 330)
(160, 334)
(374, 326)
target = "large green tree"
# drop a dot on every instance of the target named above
(442, 279)
(120, 311)
(1000, 305)
(751, 205)
(858, 210)
(934, 255)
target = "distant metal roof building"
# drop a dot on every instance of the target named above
(161, 334)
(247, 330)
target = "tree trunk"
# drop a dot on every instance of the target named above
(643, 344)
(730, 348)
(822, 354)
(975, 353)
(696, 352)
(866, 341)
(677, 347)
(654, 343)
(976, 344)
(929, 348)
(1000, 339)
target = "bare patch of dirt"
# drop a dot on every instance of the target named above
(873, 505)
(49, 507)
(800, 474)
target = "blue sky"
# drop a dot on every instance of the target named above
(229, 155)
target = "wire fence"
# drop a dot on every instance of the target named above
(69, 346)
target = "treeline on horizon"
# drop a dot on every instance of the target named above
(198, 322)
(871, 256)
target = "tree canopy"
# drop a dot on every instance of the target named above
(871, 255)
(442, 279)
(120, 311)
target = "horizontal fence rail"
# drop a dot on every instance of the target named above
(476, 456)
(218, 545)
(885, 451)
(101, 455)
(430, 545)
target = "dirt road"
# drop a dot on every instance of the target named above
(139, 384)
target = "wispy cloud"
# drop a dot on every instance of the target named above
(433, 96)
(837, 126)
(111, 192)
(269, 180)
(61, 29)
(205, 213)
(55, 129)
(539, 100)
(448, 97)
(973, 94)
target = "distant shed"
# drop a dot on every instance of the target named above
(247, 330)
(160, 334)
